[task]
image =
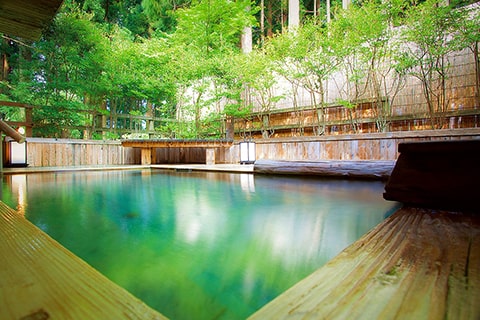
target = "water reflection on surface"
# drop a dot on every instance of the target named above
(199, 245)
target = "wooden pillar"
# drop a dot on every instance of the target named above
(148, 156)
(210, 156)
(153, 156)
(29, 121)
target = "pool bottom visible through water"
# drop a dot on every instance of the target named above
(199, 245)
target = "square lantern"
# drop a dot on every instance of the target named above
(247, 152)
(16, 154)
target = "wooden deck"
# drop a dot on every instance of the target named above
(417, 264)
(40, 279)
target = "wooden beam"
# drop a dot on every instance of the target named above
(27, 18)
(40, 279)
(417, 264)
(16, 104)
(9, 131)
(175, 143)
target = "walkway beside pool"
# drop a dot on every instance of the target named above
(40, 279)
(417, 264)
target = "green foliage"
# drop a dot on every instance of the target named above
(347, 104)
(369, 55)
(213, 25)
(160, 13)
(128, 14)
(431, 33)
(55, 120)
(163, 58)
(11, 113)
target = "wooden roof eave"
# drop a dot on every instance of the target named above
(27, 18)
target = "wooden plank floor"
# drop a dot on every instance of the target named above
(40, 279)
(417, 264)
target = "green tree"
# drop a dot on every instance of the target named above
(206, 33)
(161, 13)
(307, 58)
(214, 25)
(431, 35)
(370, 59)
(350, 31)
(68, 74)
(259, 79)
(469, 37)
(140, 80)
(128, 14)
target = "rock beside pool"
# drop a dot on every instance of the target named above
(131, 215)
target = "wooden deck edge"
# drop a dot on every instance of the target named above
(362, 169)
(40, 279)
(417, 264)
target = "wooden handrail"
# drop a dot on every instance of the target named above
(9, 131)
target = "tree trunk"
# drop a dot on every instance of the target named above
(262, 22)
(246, 40)
(269, 19)
(293, 14)
(4, 67)
(329, 15)
(477, 74)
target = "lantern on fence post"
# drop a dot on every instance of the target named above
(16, 150)
(247, 152)
(17, 154)
(12, 134)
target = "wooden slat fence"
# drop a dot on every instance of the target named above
(63, 152)
(373, 146)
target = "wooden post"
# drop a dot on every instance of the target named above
(346, 4)
(146, 156)
(29, 121)
(246, 40)
(153, 156)
(210, 156)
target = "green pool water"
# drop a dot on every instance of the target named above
(197, 245)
